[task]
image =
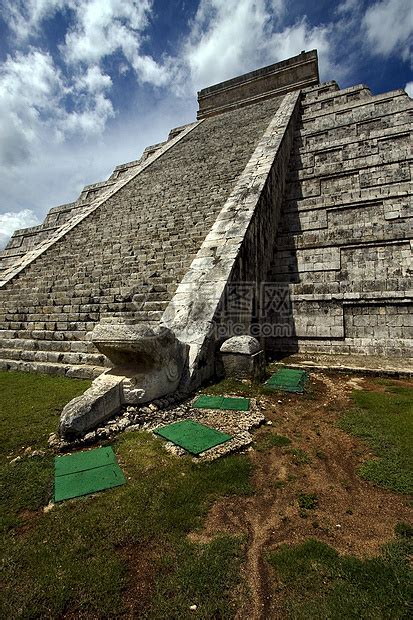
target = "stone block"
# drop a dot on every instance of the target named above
(243, 358)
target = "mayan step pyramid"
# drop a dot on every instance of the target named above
(282, 212)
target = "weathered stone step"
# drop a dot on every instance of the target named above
(333, 99)
(138, 316)
(43, 334)
(128, 321)
(151, 297)
(50, 368)
(152, 305)
(341, 198)
(91, 359)
(361, 109)
(353, 164)
(65, 346)
(314, 93)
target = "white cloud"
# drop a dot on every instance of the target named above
(409, 89)
(102, 28)
(30, 88)
(229, 37)
(389, 28)
(32, 108)
(25, 16)
(98, 29)
(9, 222)
(94, 80)
(349, 6)
(89, 121)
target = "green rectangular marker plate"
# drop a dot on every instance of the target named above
(192, 436)
(221, 402)
(236, 404)
(287, 380)
(79, 461)
(87, 472)
(88, 481)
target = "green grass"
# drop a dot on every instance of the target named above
(299, 456)
(37, 400)
(385, 421)
(30, 406)
(268, 440)
(308, 501)
(314, 581)
(201, 575)
(71, 559)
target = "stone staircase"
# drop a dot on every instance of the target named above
(123, 260)
(42, 354)
(26, 239)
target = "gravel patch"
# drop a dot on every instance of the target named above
(175, 408)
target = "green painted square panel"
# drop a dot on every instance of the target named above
(80, 461)
(208, 402)
(236, 404)
(192, 436)
(88, 481)
(288, 380)
(222, 402)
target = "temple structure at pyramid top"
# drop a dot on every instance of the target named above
(283, 212)
(273, 81)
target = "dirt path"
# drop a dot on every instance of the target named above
(352, 515)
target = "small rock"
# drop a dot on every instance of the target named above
(193, 607)
(53, 440)
(37, 453)
(269, 423)
(279, 402)
(49, 506)
(338, 526)
(153, 407)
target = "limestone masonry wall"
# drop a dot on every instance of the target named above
(126, 257)
(343, 251)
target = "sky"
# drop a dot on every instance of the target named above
(87, 84)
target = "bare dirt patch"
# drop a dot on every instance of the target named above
(141, 561)
(351, 515)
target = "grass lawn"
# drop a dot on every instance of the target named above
(126, 552)
(314, 581)
(31, 406)
(85, 554)
(385, 420)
